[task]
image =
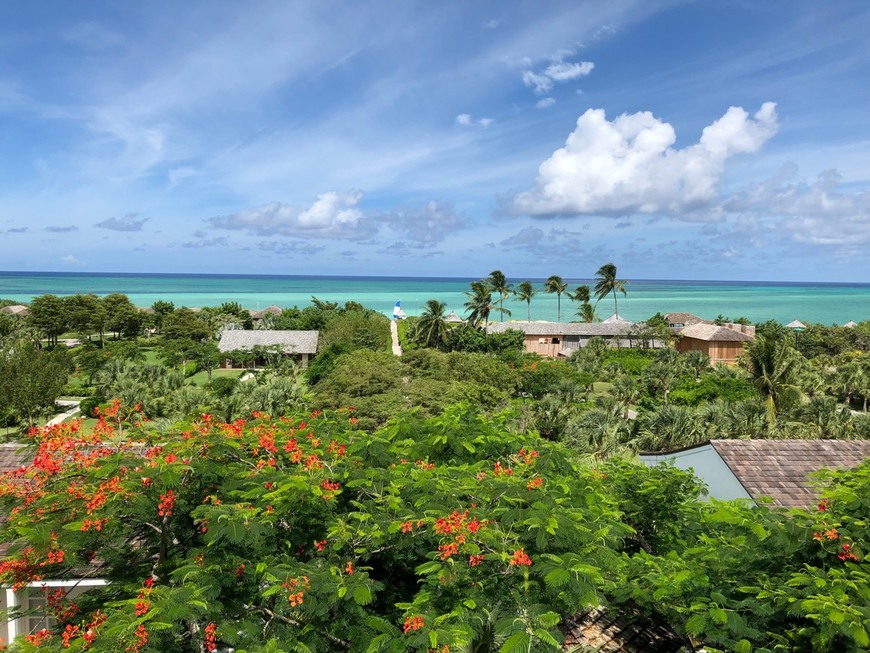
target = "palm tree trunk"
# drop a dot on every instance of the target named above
(615, 307)
(529, 314)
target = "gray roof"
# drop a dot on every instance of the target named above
(269, 310)
(564, 328)
(713, 332)
(778, 468)
(291, 342)
(684, 318)
(12, 456)
(616, 318)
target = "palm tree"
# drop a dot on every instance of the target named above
(554, 284)
(525, 292)
(586, 312)
(432, 329)
(479, 303)
(608, 283)
(774, 365)
(499, 284)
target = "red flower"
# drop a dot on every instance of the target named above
(520, 559)
(210, 643)
(413, 623)
(475, 560)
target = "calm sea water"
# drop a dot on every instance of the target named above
(826, 303)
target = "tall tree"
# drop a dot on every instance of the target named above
(48, 316)
(479, 303)
(606, 283)
(554, 284)
(499, 284)
(432, 329)
(525, 292)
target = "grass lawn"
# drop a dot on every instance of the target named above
(201, 378)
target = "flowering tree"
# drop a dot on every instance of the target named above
(305, 533)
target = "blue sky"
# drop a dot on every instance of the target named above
(679, 140)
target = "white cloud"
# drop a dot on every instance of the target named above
(425, 226)
(332, 215)
(69, 259)
(465, 120)
(177, 175)
(561, 71)
(130, 222)
(558, 71)
(629, 165)
(492, 23)
(545, 102)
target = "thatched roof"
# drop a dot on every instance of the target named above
(560, 329)
(15, 309)
(713, 333)
(618, 630)
(795, 324)
(778, 468)
(616, 318)
(453, 318)
(850, 324)
(291, 342)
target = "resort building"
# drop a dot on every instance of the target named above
(551, 339)
(723, 344)
(776, 469)
(680, 320)
(300, 345)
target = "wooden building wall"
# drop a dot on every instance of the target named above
(718, 351)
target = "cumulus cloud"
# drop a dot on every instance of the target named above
(545, 102)
(61, 230)
(130, 222)
(425, 226)
(558, 71)
(628, 165)
(332, 215)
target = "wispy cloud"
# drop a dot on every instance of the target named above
(130, 222)
(61, 230)
(558, 71)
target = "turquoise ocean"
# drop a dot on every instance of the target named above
(826, 303)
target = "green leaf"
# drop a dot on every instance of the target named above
(362, 595)
(516, 643)
(743, 646)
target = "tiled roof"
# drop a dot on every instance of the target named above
(618, 630)
(778, 468)
(12, 457)
(713, 332)
(291, 342)
(563, 328)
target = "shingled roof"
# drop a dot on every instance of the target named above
(618, 630)
(778, 468)
(291, 342)
(12, 457)
(564, 328)
(713, 332)
(684, 319)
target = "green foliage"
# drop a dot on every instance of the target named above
(31, 379)
(632, 361)
(688, 392)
